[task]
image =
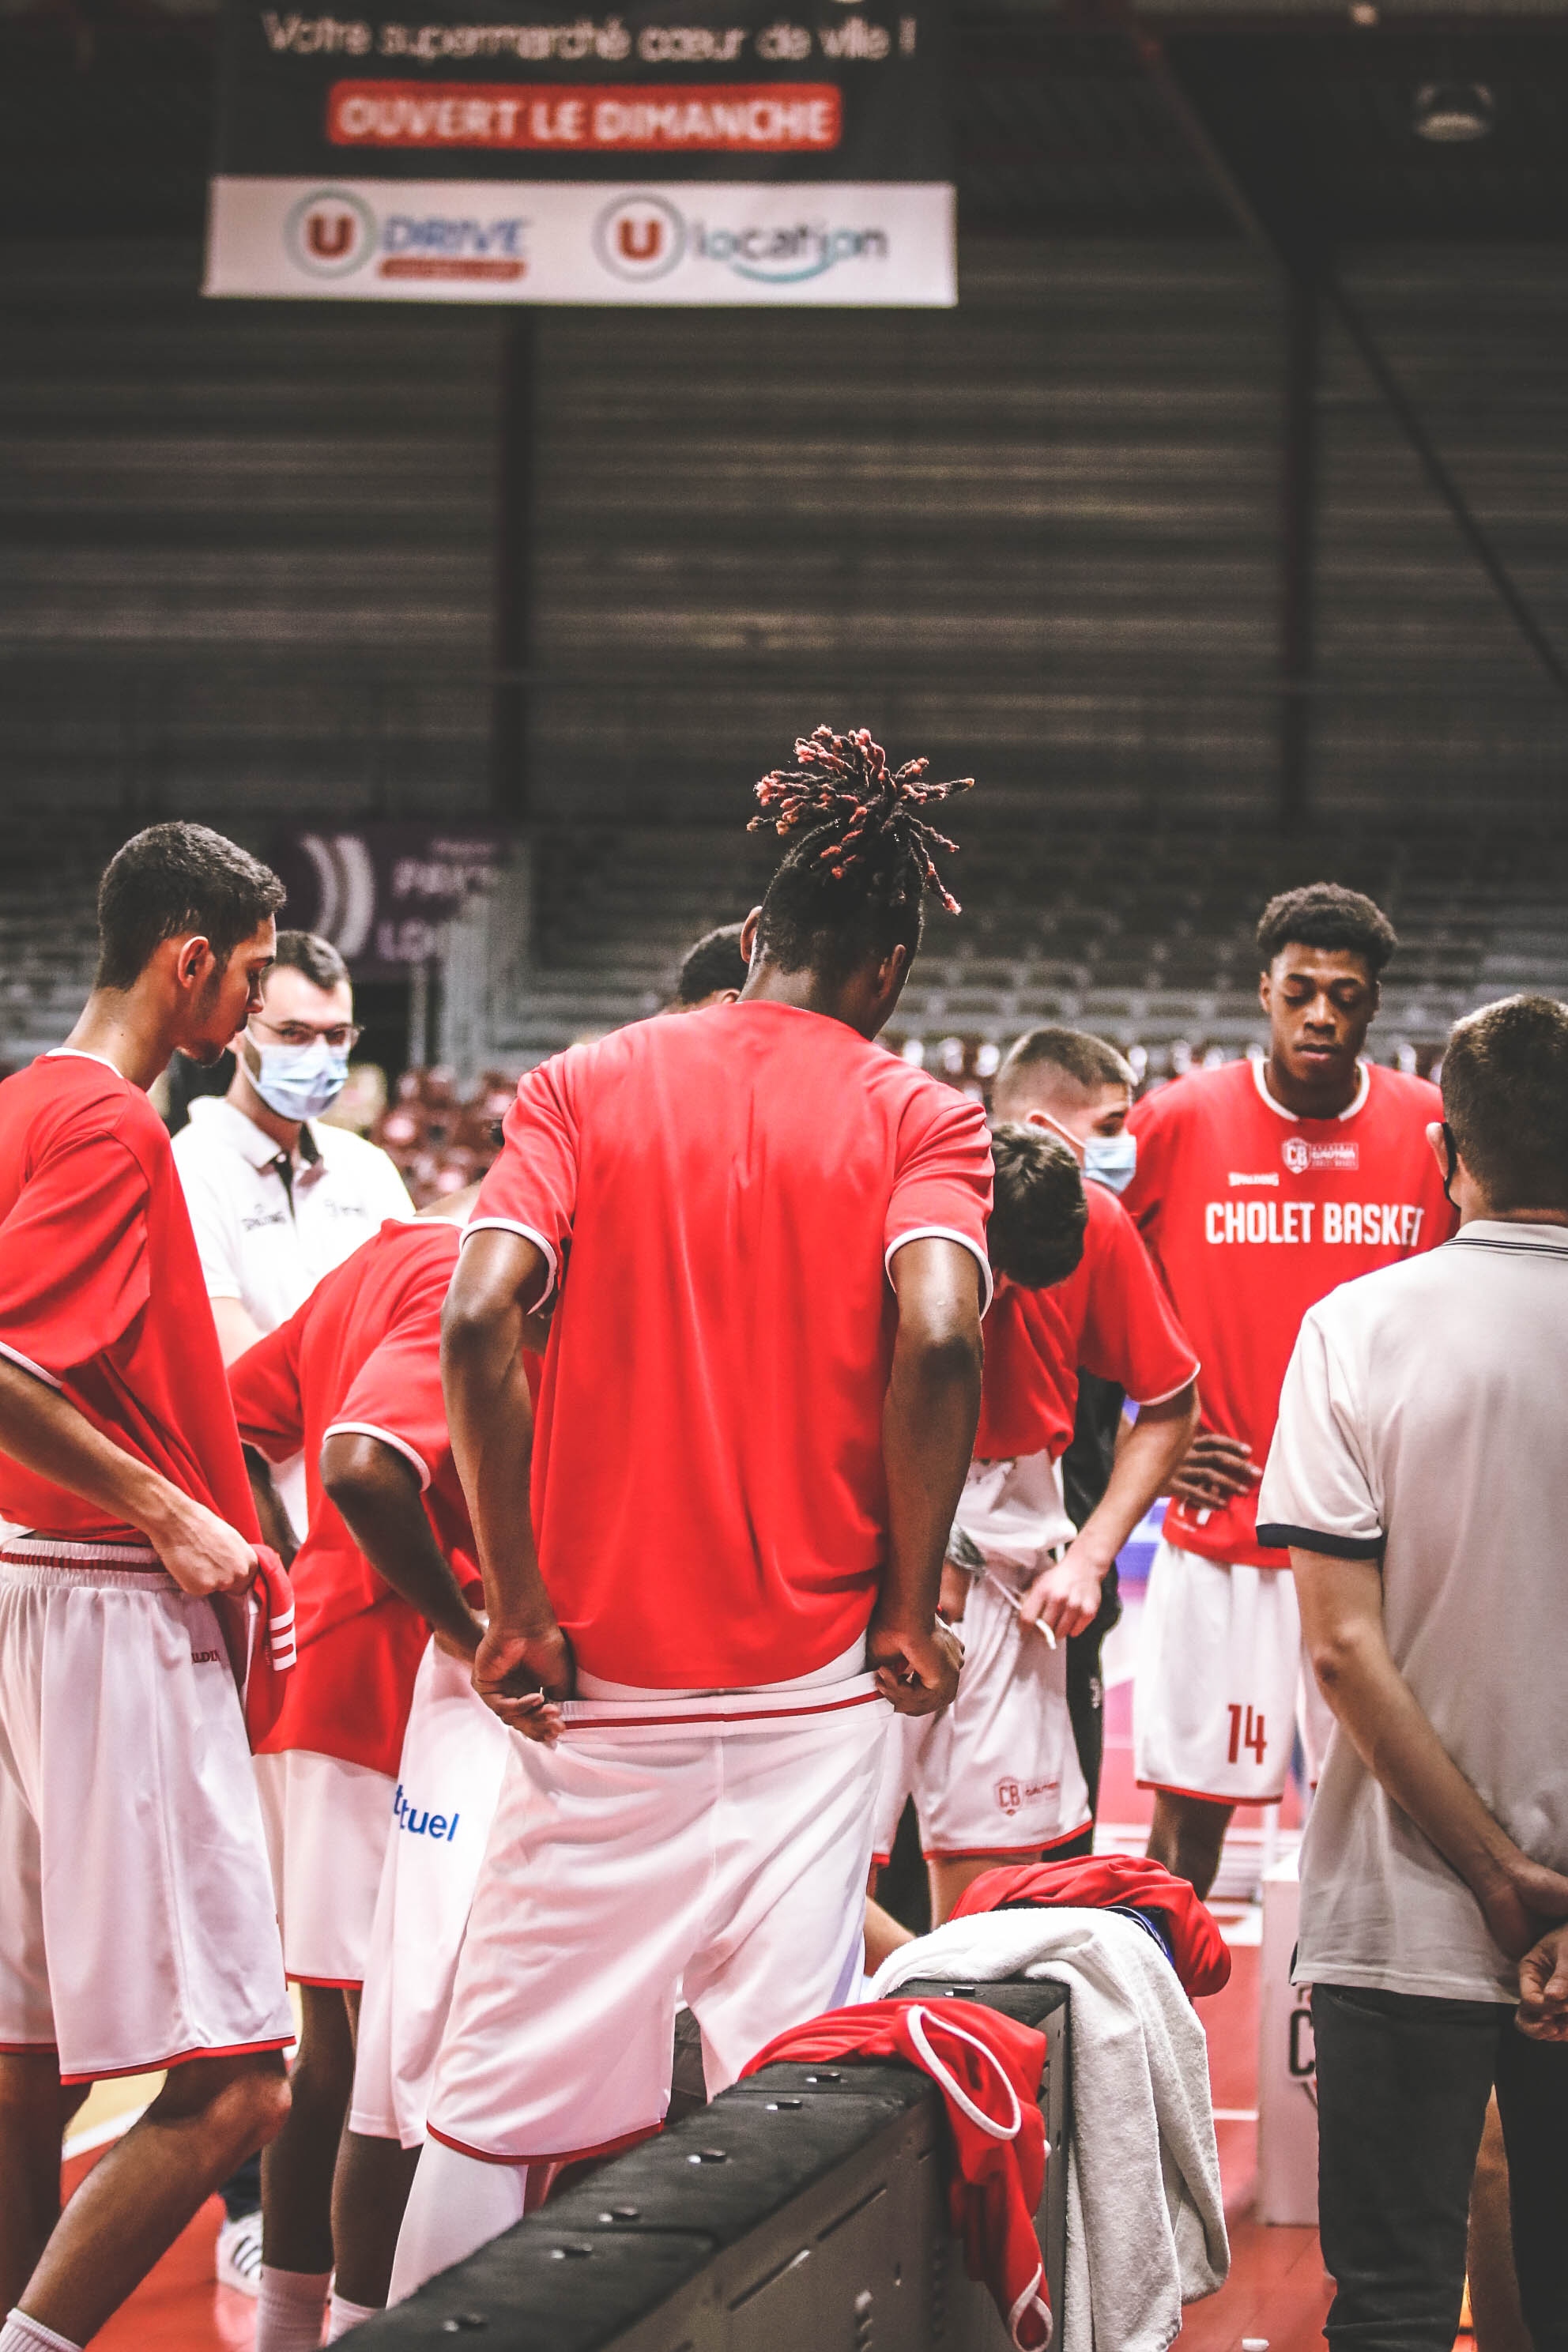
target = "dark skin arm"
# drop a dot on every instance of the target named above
(929, 1419)
(524, 1662)
(377, 1492)
(1215, 1468)
(277, 1527)
(44, 1431)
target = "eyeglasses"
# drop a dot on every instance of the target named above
(342, 1036)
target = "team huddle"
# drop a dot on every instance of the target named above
(751, 1456)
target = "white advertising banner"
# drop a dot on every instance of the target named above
(877, 244)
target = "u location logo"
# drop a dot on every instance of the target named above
(330, 233)
(640, 238)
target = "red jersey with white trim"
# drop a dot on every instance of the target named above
(709, 1500)
(1252, 1215)
(102, 1294)
(363, 1353)
(1111, 1316)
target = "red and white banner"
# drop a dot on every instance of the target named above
(874, 246)
(495, 150)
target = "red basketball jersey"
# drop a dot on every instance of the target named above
(1252, 1215)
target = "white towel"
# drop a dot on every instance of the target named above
(1145, 2216)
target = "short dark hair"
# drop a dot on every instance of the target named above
(1327, 915)
(714, 962)
(1086, 1062)
(854, 885)
(1039, 1212)
(1505, 1094)
(175, 879)
(317, 958)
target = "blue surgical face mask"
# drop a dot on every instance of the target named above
(1108, 1159)
(1111, 1160)
(297, 1081)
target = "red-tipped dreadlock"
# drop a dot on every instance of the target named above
(844, 786)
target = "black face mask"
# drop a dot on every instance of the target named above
(1452, 1151)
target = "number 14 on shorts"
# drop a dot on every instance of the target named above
(1246, 1731)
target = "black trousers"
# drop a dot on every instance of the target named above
(1403, 2084)
(1086, 1688)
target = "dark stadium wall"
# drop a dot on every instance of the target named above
(1430, 706)
(252, 549)
(249, 545)
(1033, 536)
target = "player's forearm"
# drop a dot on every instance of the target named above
(490, 1414)
(375, 1491)
(44, 1431)
(277, 1529)
(1145, 1462)
(1383, 1722)
(927, 1436)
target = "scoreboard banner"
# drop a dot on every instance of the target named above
(484, 154)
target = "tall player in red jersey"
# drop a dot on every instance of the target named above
(713, 1569)
(1259, 1187)
(136, 1927)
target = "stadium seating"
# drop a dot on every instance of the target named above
(1141, 933)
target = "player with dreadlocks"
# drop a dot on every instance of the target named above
(770, 1241)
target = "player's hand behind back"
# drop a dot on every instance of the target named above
(202, 1552)
(521, 1676)
(1524, 1897)
(918, 1671)
(1213, 1469)
(1542, 2011)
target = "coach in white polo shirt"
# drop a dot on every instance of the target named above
(276, 1200)
(1419, 1476)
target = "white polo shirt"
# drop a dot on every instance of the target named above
(1422, 1422)
(266, 1240)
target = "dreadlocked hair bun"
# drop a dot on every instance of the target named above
(854, 881)
(868, 816)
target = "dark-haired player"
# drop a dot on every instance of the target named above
(772, 1295)
(997, 1777)
(713, 971)
(137, 1927)
(1260, 1187)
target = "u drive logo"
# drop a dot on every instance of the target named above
(330, 233)
(423, 1824)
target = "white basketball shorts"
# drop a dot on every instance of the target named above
(996, 1773)
(136, 1922)
(718, 1845)
(453, 1756)
(1219, 1678)
(328, 1823)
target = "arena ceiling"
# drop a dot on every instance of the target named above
(1140, 117)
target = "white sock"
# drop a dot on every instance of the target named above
(342, 2315)
(290, 2310)
(21, 2334)
(457, 2203)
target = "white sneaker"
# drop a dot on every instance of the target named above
(239, 2255)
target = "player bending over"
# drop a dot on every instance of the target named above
(713, 1569)
(1260, 1187)
(137, 1928)
(1080, 1088)
(352, 1379)
(997, 1777)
